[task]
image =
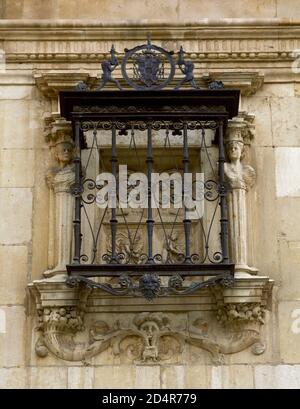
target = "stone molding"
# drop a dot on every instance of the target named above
(247, 81)
(270, 43)
(50, 83)
(152, 336)
(56, 129)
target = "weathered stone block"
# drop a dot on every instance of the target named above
(289, 327)
(13, 274)
(173, 376)
(14, 132)
(225, 8)
(16, 208)
(80, 378)
(147, 377)
(232, 377)
(262, 213)
(115, 377)
(50, 378)
(287, 172)
(17, 168)
(277, 377)
(287, 212)
(13, 341)
(13, 378)
(198, 376)
(285, 124)
(288, 8)
(289, 262)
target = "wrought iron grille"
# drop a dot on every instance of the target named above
(149, 251)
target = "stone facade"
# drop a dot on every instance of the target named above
(246, 336)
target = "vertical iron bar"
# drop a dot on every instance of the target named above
(77, 219)
(113, 220)
(222, 193)
(186, 222)
(150, 221)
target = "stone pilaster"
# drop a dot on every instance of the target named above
(59, 179)
(240, 178)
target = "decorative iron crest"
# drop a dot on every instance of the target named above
(148, 67)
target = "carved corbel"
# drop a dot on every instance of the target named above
(235, 324)
(59, 178)
(242, 324)
(241, 313)
(240, 178)
(59, 326)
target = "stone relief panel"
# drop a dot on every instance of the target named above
(150, 337)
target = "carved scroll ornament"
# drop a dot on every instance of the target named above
(149, 337)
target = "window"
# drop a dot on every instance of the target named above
(137, 239)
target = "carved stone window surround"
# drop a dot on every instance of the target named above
(238, 312)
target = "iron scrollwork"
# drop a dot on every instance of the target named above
(150, 286)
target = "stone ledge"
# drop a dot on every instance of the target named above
(53, 292)
(51, 82)
(246, 81)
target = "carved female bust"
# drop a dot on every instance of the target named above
(60, 178)
(239, 176)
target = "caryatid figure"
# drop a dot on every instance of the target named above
(59, 180)
(240, 178)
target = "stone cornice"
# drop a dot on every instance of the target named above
(263, 45)
(248, 82)
(240, 30)
(223, 24)
(51, 82)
